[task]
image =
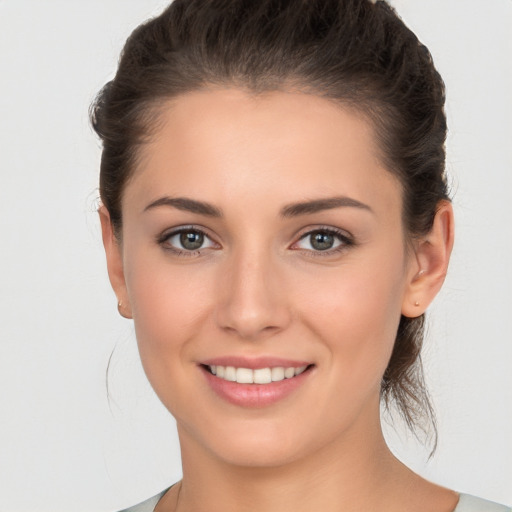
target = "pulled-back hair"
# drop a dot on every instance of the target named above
(354, 52)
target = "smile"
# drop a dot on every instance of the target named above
(256, 383)
(256, 376)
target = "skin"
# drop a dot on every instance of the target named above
(259, 287)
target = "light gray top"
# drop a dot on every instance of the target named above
(469, 503)
(148, 505)
(466, 503)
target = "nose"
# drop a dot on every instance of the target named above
(253, 300)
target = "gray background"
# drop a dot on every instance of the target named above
(63, 445)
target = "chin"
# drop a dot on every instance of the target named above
(251, 444)
(259, 452)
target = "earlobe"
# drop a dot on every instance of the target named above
(115, 269)
(432, 256)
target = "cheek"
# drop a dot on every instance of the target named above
(168, 303)
(170, 306)
(357, 319)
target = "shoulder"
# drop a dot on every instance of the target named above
(146, 506)
(466, 503)
(469, 503)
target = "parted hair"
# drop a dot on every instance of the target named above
(357, 53)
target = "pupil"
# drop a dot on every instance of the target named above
(322, 241)
(191, 240)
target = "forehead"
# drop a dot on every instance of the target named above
(228, 143)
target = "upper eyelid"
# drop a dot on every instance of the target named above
(329, 229)
(301, 234)
(167, 233)
(163, 240)
(346, 239)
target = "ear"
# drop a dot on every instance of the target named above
(113, 253)
(429, 263)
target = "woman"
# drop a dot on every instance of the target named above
(276, 221)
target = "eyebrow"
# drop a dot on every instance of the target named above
(290, 210)
(318, 205)
(186, 204)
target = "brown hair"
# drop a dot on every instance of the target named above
(355, 52)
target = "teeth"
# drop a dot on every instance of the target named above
(299, 370)
(230, 373)
(262, 376)
(277, 373)
(259, 376)
(289, 373)
(244, 376)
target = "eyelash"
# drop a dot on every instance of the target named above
(345, 239)
(164, 238)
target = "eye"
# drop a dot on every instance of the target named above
(323, 240)
(186, 240)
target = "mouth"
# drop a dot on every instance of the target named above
(255, 376)
(268, 381)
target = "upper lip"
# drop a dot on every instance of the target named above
(254, 363)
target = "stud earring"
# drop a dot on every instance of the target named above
(416, 303)
(119, 308)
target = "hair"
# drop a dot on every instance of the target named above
(356, 53)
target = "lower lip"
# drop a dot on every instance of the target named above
(254, 395)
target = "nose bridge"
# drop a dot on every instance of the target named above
(252, 303)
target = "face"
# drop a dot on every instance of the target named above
(262, 241)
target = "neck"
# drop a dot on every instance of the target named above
(337, 476)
